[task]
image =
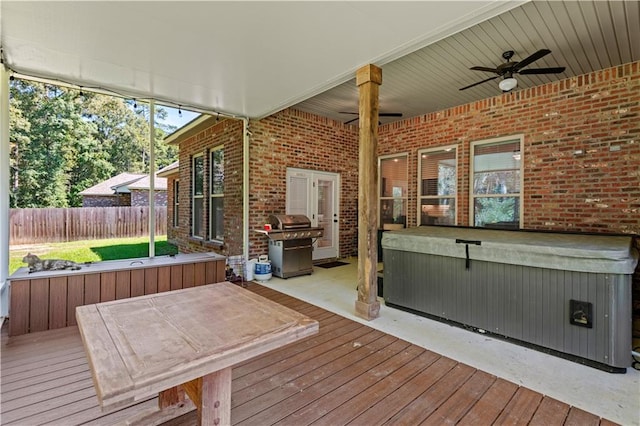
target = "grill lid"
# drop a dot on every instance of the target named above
(289, 221)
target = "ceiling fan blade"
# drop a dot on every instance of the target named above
(531, 58)
(554, 70)
(390, 114)
(356, 119)
(480, 82)
(348, 112)
(487, 69)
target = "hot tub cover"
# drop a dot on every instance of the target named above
(571, 252)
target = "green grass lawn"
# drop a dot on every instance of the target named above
(91, 250)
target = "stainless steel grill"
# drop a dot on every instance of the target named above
(291, 227)
(291, 244)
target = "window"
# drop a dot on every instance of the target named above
(198, 226)
(176, 202)
(496, 182)
(437, 178)
(216, 206)
(393, 189)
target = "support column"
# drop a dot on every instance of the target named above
(245, 189)
(152, 179)
(368, 80)
(4, 191)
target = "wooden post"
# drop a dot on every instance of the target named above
(368, 80)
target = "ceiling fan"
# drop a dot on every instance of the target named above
(508, 69)
(382, 114)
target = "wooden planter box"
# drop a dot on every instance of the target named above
(47, 300)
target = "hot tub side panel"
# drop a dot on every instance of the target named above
(526, 303)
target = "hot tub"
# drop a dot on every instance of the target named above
(566, 294)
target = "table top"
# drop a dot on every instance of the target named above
(140, 346)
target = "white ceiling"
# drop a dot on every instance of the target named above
(243, 58)
(583, 36)
(253, 59)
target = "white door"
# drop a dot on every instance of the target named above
(315, 195)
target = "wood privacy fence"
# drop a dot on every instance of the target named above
(28, 226)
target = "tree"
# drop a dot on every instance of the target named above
(64, 141)
(41, 148)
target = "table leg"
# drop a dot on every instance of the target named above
(171, 397)
(212, 396)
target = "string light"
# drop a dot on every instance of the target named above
(179, 111)
(53, 84)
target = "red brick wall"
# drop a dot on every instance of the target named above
(106, 200)
(140, 197)
(297, 139)
(172, 231)
(229, 134)
(595, 113)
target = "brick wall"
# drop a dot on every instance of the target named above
(172, 231)
(298, 139)
(140, 197)
(229, 134)
(287, 139)
(106, 200)
(598, 113)
(595, 192)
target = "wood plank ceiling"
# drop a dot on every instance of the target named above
(583, 36)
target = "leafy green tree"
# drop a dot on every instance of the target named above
(64, 141)
(42, 152)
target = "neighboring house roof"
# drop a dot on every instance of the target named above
(169, 170)
(122, 183)
(107, 187)
(160, 183)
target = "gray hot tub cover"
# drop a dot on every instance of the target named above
(571, 252)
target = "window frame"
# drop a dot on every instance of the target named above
(212, 195)
(421, 197)
(176, 203)
(194, 196)
(520, 195)
(404, 197)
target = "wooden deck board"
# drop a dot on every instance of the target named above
(346, 374)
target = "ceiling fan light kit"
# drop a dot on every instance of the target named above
(508, 84)
(509, 68)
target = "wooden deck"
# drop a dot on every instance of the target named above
(346, 374)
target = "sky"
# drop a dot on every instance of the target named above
(174, 119)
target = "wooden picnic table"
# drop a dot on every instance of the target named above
(183, 341)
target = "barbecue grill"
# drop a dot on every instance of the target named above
(290, 244)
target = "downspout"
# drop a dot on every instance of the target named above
(245, 188)
(4, 192)
(152, 179)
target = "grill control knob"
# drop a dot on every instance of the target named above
(295, 235)
(287, 235)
